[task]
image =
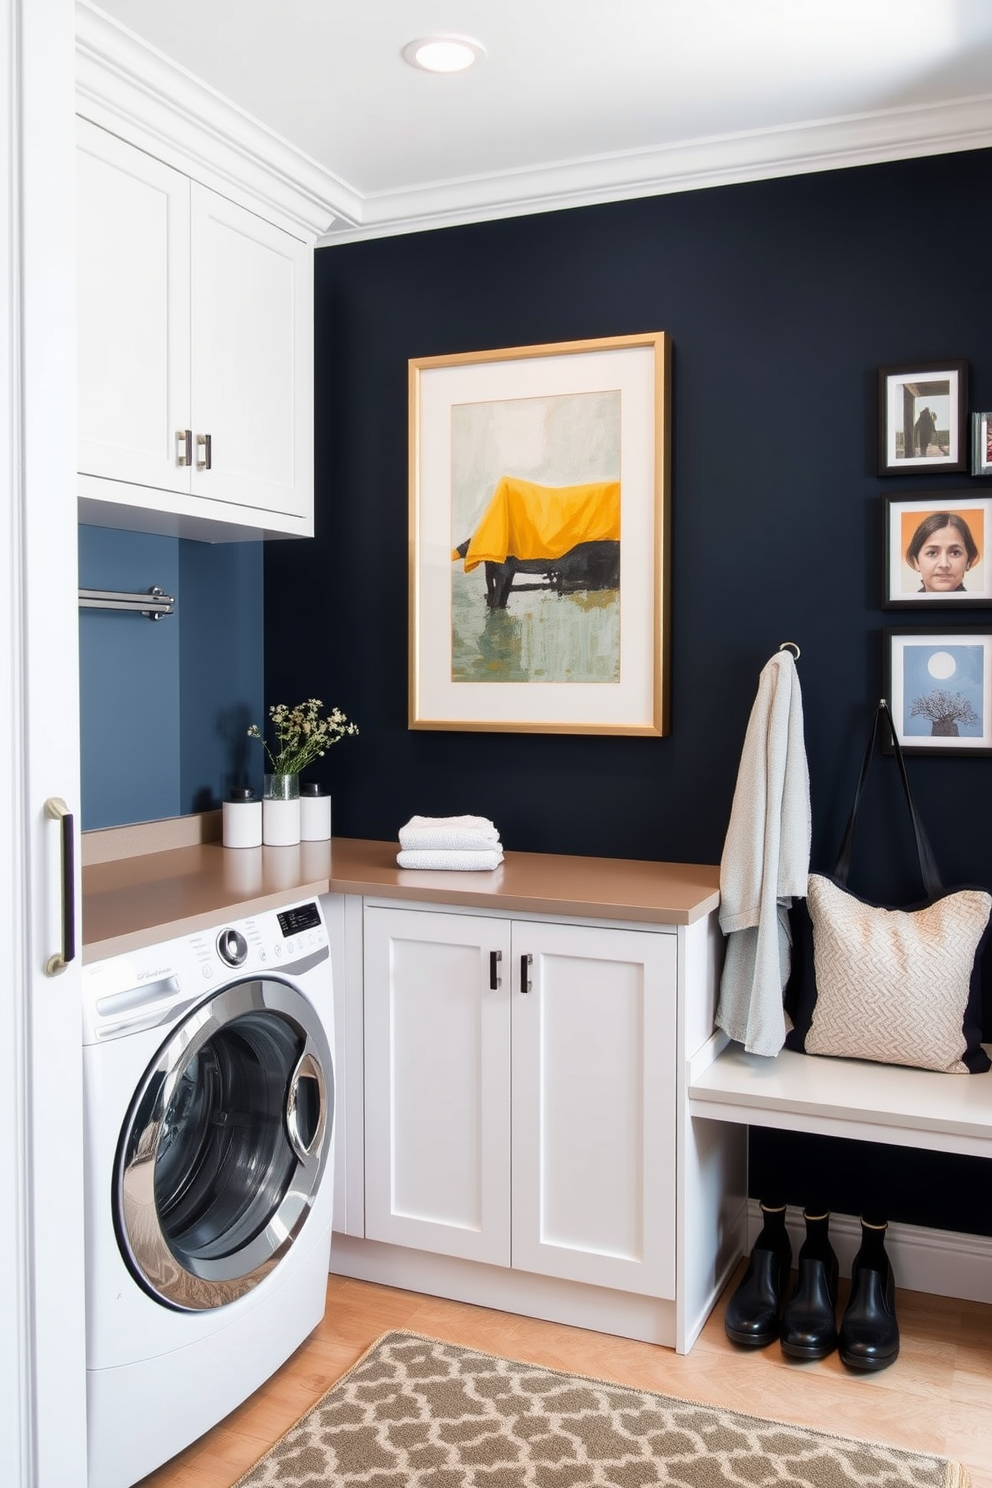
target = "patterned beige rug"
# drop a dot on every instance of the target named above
(417, 1413)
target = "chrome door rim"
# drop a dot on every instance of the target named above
(200, 1283)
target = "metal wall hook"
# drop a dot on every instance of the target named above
(791, 646)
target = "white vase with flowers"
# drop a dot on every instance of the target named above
(302, 735)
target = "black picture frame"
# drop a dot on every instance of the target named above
(941, 676)
(981, 444)
(929, 401)
(913, 584)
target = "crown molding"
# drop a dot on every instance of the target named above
(129, 87)
(724, 160)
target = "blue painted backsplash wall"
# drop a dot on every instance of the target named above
(165, 704)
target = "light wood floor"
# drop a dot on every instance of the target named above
(937, 1397)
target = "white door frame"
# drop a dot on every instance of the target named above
(42, 1310)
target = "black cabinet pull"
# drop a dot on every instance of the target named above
(495, 957)
(525, 964)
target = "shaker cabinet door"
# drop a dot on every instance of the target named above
(252, 359)
(132, 327)
(437, 1083)
(594, 1103)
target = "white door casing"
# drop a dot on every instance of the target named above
(42, 1322)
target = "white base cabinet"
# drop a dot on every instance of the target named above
(195, 353)
(521, 1090)
(520, 1095)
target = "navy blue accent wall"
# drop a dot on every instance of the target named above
(220, 653)
(782, 299)
(128, 683)
(165, 704)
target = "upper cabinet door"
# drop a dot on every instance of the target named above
(133, 324)
(252, 359)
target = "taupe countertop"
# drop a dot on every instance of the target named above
(148, 883)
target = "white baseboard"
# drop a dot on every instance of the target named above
(942, 1262)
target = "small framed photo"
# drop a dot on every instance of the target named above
(938, 684)
(934, 550)
(923, 418)
(981, 444)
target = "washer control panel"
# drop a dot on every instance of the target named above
(146, 988)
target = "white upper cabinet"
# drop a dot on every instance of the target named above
(195, 354)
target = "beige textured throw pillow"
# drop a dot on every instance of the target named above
(892, 985)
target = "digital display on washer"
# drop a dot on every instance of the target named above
(300, 917)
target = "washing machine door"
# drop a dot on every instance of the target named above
(224, 1147)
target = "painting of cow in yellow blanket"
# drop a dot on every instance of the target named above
(568, 536)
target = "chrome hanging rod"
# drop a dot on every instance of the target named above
(153, 603)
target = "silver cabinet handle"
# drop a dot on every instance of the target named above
(56, 808)
(204, 453)
(184, 446)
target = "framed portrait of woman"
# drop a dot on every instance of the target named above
(935, 551)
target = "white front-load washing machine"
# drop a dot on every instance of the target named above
(209, 1112)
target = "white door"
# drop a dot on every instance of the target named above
(42, 1337)
(133, 353)
(252, 330)
(437, 1083)
(594, 1028)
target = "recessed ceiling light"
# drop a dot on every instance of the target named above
(444, 53)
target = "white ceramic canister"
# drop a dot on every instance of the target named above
(242, 819)
(315, 812)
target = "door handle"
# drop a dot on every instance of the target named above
(184, 446)
(526, 962)
(204, 453)
(56, 808)
(495, 957)
(306, 1144)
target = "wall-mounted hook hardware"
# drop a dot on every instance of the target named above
(154, 603)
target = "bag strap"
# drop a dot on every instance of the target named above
(929, 872)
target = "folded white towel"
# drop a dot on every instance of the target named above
(425, 839)
(448, 833)
(467, 862)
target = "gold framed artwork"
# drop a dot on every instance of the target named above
(539, 512)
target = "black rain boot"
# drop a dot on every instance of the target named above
(869, 1332)
(809, 1323)
(755, 1310)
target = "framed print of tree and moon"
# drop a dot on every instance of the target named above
(939, 686)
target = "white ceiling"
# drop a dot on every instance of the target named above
(581, 100)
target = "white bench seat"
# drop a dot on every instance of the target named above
(842, 1098)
